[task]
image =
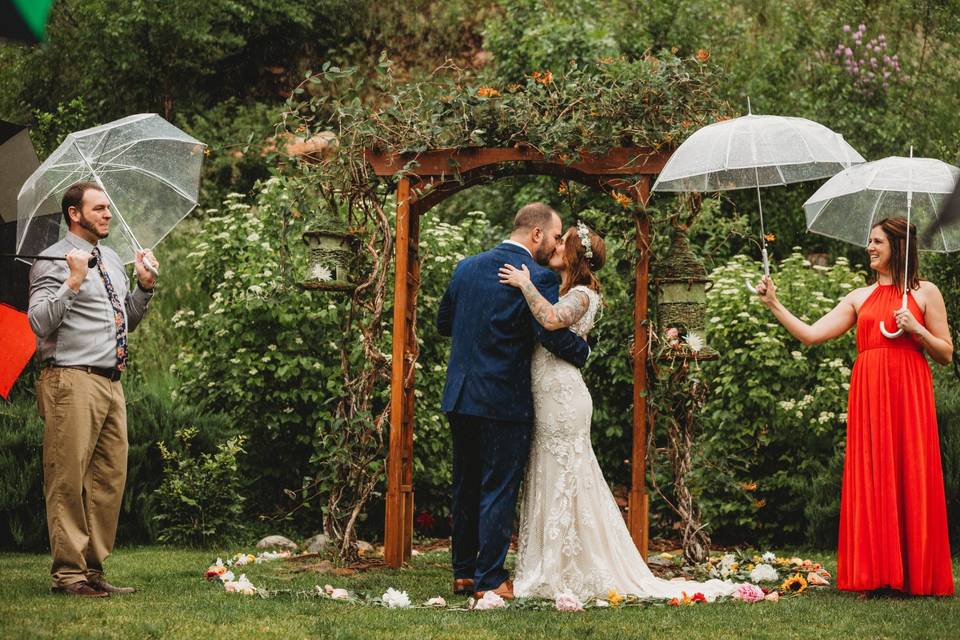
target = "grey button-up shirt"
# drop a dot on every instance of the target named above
(78, 328)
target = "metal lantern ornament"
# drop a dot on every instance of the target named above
(681, 285)
(330, 253)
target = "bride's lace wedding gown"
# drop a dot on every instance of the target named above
(572, 536)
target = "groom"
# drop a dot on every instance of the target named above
(487, 396)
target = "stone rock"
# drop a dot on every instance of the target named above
(317, 543)
(659, 561)
(277, 542)
(364, 548)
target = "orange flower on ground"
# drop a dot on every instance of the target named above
(562, 189)
(544, 78)
(674, 602)
(770, 237)
(794, 584)
(614, 598)
(487, 92)
(513, 87)
(760, 504)
(620, 199)
(703, 55)
(748, 486)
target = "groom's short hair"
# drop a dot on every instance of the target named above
(535, 214)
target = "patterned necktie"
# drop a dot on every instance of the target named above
(118, 317)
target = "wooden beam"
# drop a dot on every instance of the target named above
(395, 516)
(411, 350)
(638, 501)
(620, 161)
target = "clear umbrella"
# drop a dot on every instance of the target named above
(848, 205)
(755, 151)
(149, 169)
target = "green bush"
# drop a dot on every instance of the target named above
(776, 411)
(199, 501)
(151, 417)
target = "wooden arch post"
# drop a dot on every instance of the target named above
(429, 178)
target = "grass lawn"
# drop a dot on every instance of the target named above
(175, 602)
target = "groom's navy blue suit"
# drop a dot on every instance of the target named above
(489, 402)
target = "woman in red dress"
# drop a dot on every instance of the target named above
(893, 514)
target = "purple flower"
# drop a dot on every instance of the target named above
(873, 62)
(877, 49)
(848, 52)
(846, 28)
(863, 28)
(886, 59)
(882, 38)
(886, 74)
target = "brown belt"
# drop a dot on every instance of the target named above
(111, 374)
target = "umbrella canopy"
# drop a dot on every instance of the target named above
(18, 160)
(149, 169)
(24, 20)
(949, 215)
(756, 151)
(848, 205)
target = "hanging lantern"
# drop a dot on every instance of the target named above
(330, 253)
(681, 285)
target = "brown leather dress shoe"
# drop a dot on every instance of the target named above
(463, 586)
(505, 591)
(106, 587)
(82, 589)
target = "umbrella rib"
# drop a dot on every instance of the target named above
(802, 139)
(155, 176)
(873, 214)
(126, 145)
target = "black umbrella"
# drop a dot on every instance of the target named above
(18, 160)
(24, 20)
(948, 216)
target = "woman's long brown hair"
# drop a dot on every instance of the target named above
(896, 231)
(580, 267)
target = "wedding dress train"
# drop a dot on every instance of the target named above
(572, 536)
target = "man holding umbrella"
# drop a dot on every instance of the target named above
(81, 315)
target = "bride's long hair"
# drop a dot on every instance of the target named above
(580, 268)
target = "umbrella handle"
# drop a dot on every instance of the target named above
(152, 268)
(746, 282)
(887, 334)
(894, 334)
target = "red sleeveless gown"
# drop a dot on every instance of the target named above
(893, 513)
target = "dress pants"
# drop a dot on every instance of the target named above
(84, 469)
(489, 458)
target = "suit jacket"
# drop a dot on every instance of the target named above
(493, 333)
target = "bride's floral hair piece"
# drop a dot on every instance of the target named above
(584, 234)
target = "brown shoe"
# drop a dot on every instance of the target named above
(83, 589)
(505, 591)
(463, 586)
(106, 587)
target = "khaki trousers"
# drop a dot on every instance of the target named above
(84, 468)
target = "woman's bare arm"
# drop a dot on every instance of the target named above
(836, 322)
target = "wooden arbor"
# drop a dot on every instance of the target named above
(429, 178)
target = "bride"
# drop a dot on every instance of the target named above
(572, 536)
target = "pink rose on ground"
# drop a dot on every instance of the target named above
(490, 600)
(773, 596)
(748, 593)
(566, 601)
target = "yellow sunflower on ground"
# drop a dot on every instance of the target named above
(794, 584)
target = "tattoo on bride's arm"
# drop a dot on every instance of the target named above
(554, 316)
